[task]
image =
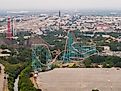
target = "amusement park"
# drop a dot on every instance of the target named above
(35, 60)
(74, 51)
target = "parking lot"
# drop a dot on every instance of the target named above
(80, 79)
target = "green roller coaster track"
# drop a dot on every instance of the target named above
(74, 50)
(41, 57)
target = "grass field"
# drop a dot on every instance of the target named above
(80, 79)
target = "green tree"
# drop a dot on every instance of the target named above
(87, 63)
(95, 90)
(3, 46)
(21, 40)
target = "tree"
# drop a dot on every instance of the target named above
(100, 49)
(118, 64)
(0, 69)
(95, 90)
(97, 59)
(3, 47)
(21, 40)
(87, 63)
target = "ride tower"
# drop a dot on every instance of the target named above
(13, 26)
(9, 32)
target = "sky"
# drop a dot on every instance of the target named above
(60, 4)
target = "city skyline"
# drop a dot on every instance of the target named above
(60, 4)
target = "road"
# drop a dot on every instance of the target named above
(1, 77)
(80, 79)
(3, 82)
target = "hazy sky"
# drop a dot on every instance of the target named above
(60, 4)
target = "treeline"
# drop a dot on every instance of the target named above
(14, 64)
(12, 70)
(25, 83)
(105, 61)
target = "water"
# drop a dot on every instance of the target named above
(16, 84)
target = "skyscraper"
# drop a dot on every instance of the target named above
(59, 13)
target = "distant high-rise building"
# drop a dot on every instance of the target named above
(59, 13)
(59, 19)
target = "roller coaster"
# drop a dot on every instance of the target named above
(42, 59)
(75, 50)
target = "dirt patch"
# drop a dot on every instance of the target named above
(80, 79)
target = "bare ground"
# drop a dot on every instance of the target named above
(80, 79)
